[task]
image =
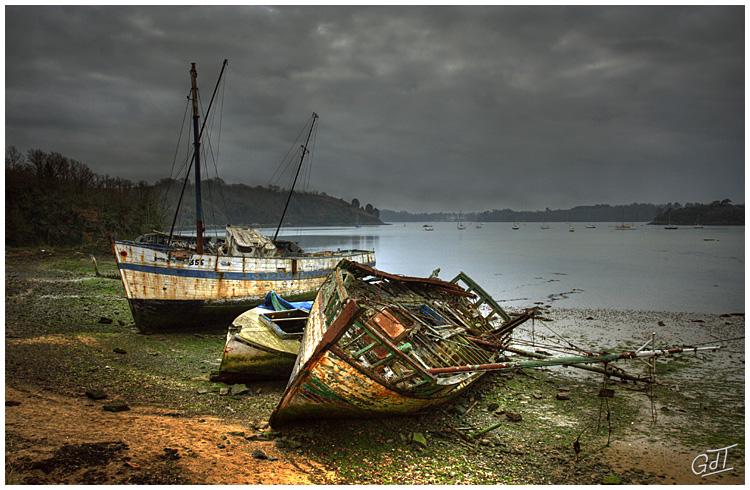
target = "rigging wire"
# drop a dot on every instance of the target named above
(294, 146)
(214, 159)
(165, 195)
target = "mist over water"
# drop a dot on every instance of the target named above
(648, 268)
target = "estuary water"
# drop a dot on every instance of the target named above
(647, 268)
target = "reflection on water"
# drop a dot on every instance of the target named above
(648, 268)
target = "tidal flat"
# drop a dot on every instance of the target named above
(70, 335)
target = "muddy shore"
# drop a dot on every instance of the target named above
(68, 332)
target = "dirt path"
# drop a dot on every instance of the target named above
(56, 439)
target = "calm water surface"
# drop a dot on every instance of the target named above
(648, 268)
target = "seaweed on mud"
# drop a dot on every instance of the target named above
(72, 457)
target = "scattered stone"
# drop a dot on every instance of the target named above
(419, 439)
(287, 443)
(698, 321)
(492, 407)
(236, 433)
(239, 389)
(589, 318)
(725, 315)
(220, 446)
(606, 393)
(224, 391)
(170, 454)
(661, 323)
(537, 396)
(259, 391)
(12, 403)
(105, 320)
(259, 454)
(563, 395)
(119, 350)
(116, 407)
(513, 417)
(95, 394)
(202, 391)
(263, 436)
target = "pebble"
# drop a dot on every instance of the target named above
(116, 407)
(238, 389)
(119, 350)
(95, 394)
(513, 417)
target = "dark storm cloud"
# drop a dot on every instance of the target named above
(421, 108)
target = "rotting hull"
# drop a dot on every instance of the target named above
(179, 289)
(332, 388)
(245, 361)
(329, 381)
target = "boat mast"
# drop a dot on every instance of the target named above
(301, 159)
(197, 153)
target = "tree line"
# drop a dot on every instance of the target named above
(53, 200)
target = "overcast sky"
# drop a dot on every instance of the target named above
(430, 108)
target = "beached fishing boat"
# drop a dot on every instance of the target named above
(263, 342)
(179, 282)
(373, 340)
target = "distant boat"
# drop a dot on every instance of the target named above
(624, 226)
(479, 226)
(590, 227)
(427, 228)
(460, 225)
(515, 226)
(545, 226)
(571, 229)
(698, 224)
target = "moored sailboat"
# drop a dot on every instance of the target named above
(183, 282)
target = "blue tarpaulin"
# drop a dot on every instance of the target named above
(276, 303)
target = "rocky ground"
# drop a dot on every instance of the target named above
(90, 400)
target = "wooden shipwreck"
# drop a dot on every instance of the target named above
(373, 339)
(174, 281)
